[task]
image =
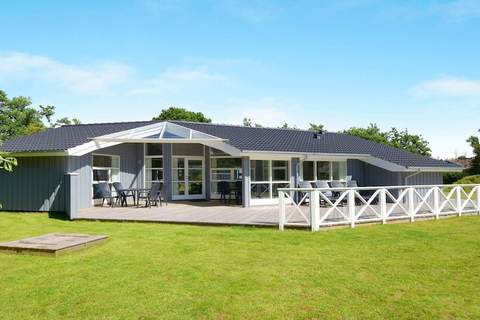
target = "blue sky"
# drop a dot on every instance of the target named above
(408, 64)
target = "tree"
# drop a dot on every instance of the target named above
(316, 127)
(7, 163)
(475, 144)
(247, 122)
(18, 118)
(410, 142)
(286, 126)
(372, 132)
(394, 138)
(175, 113)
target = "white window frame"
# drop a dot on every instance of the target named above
(105, 168)
(270, 181)
(145, 156)
(330, 169)
(214, 195)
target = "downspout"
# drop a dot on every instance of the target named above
(411, 176)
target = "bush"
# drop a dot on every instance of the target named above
(452, 177)
(475, 179)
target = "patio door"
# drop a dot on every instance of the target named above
(188, 178)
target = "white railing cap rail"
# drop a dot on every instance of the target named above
(378, 187)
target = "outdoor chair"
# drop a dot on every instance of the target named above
(238, 191)
(224, 190)
(123, 193)
(155, 195)
(102, 191)
(301, 194)
(364, 194)
(323, 184)
(338, 184)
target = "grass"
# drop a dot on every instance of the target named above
(428, 270)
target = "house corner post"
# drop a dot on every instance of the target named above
(71, 190)
(246, 182)
(295, 177)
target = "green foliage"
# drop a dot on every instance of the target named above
(316, 127)
(18, 118)
(7, 163)
(452, 177)
(247, 122)
(181, 114)
(372, 132)
(475, 179)
(394, 138)
(423, 270)
(475, 144)
(410, 142)
(287, 126)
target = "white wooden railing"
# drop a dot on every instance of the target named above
(316, 207)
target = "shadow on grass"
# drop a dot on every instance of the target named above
(58, 216)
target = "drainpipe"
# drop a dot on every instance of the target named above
(411, 176)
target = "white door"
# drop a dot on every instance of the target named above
(188, 178)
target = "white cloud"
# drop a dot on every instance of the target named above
(101, 78)
(174, 80)
(267, 111)
(95, 78)
(448, 86)
(458, 9)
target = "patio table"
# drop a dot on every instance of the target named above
(134, 191)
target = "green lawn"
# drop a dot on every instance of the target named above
(149, 271)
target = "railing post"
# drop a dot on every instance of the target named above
(383, 204)
(281, 210)
(411, 204)
(436, 202)
(478, 199)
(314, 210)
(458, 193)
(351, 207)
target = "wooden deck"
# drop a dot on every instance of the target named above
(201, 212)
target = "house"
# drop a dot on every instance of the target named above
(59, 168)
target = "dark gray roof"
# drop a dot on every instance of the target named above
(243, 138)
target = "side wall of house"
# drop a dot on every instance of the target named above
(131, 170)
(369, 175)
(36, 184)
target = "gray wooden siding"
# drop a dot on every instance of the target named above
(424, 178)
(36, 184)
(131, 169)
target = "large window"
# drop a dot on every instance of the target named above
(225, 169)
(267, 176)
(106, 168)
(153, 163)
(324, 170)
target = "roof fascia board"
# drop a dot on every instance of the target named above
(307, 155)
(435, 169)
(38, 154)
